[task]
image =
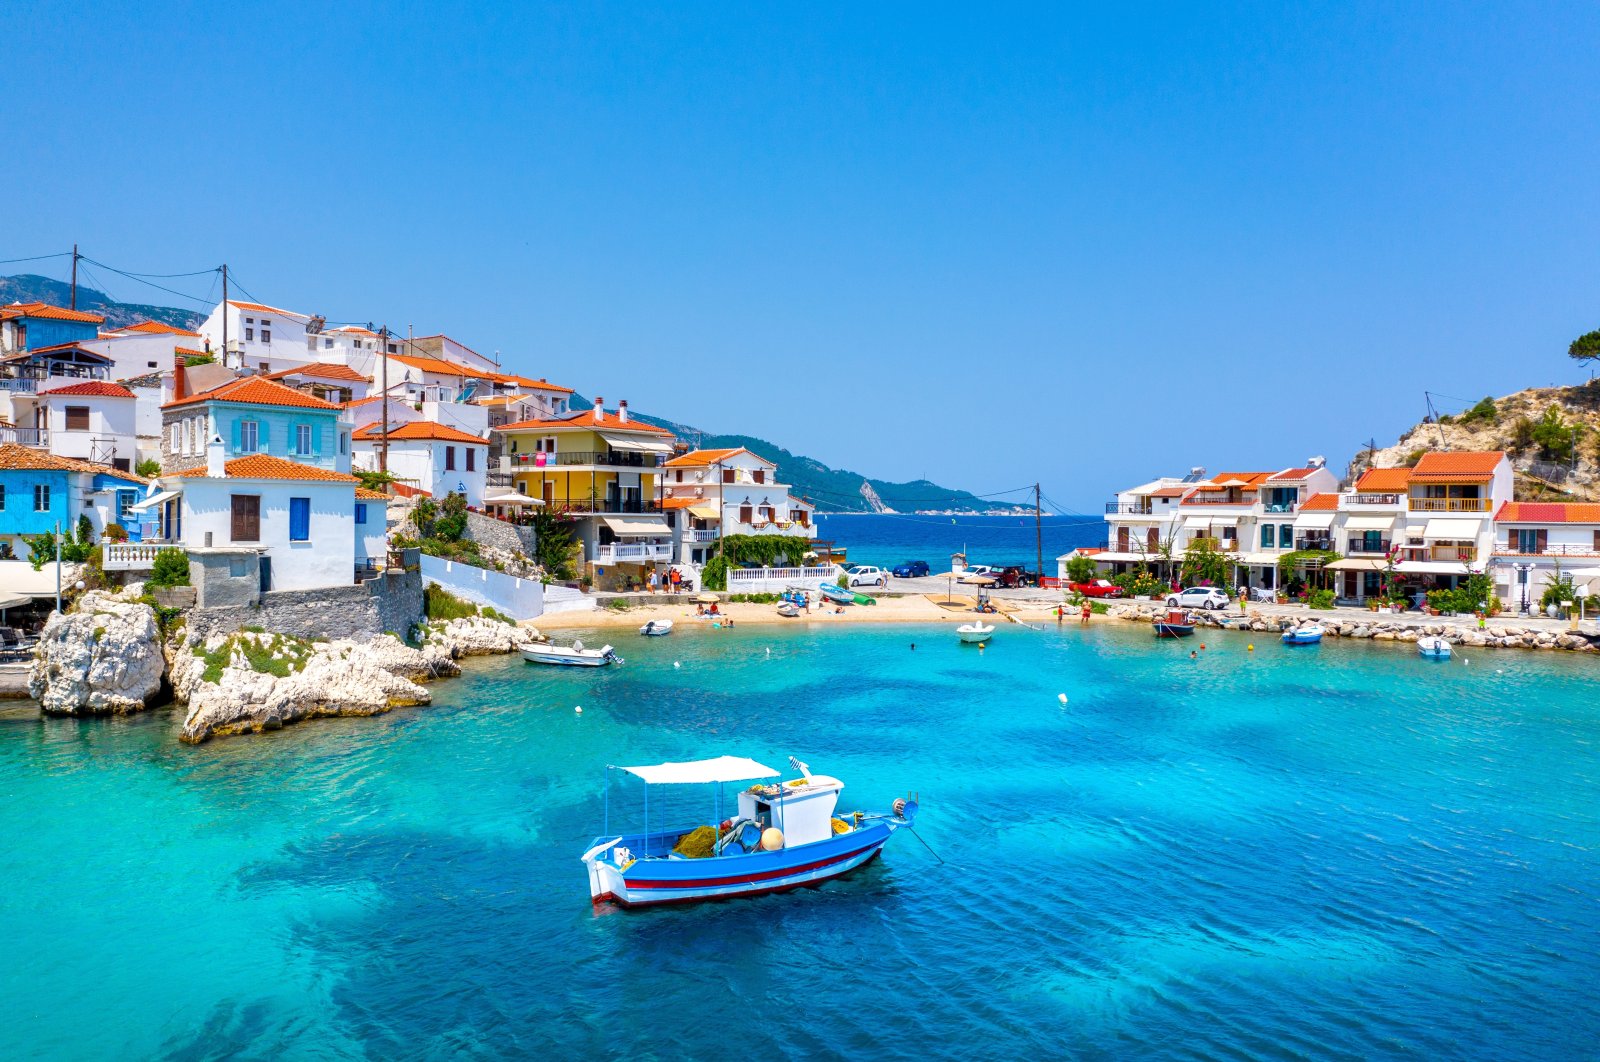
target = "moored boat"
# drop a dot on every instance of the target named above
(781, 836)
(837, 594)
(975, 633)
(1177, 624)
(788, 609)
(574, 655)
(656, 628)
(1305, 634)
(1433, 647)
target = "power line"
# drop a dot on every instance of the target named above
(139, 279)
(35, 258)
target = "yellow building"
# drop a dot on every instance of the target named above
(604, 470)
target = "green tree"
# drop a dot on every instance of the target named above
(1555, 438)
(1586, 347)
(149, 468)
(555, 540)
(1485, 412)
(1080, 569)
(372, 479)
(1205, 563)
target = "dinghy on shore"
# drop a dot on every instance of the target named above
(656, 628)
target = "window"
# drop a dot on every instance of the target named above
(1286, 535)
(361, 512)
(265, 321)
(327, 343)
(250, 333)
(236, 567)
(1266, 536)
(679, 475)
(246, 518)
(175, 436)
(760, 475)
(472, 459)
(744, 514)
(266, 336)
(249, 320)
(302, 439)
(194, 435)
(449, 458)
(344, 443)
(41, 497)
(1527, 540)
(299, 519)
(249, 436)
(124, 506)
(77, 418)
(727, 475)
(3, 504)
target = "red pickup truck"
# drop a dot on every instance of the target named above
(1096, 588)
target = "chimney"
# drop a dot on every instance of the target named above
(599, 406)
(216, 467)
(180, 377)
(622, 411)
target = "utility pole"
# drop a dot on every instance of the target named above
(58, 567)
(1038, 534)
(224, 313)
(74, 304)
(383, 450)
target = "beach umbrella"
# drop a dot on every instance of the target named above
(707, 599)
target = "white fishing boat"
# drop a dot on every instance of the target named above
(574, 655)
(1433, 647)
(656, 628)
(788, 610)
(975, 633)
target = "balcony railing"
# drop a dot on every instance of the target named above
(1450, 505)
(22, 384)
(1559, 549)
(1278, 507)
(1372, 499)
(26, 436)
(1202, 499)
(130, 556)
(1313, 543)
(1116, 509)
(1453, 553)
(1360, 545)
(637, 553)
(702, 534)
(603, 505)
(570, 458)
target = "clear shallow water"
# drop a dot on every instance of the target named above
(1337, 852)
(888, 540)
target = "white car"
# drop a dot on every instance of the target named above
(980, 575)
(867, 575)
(1199, 597)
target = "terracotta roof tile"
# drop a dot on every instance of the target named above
(1480, 464)
(439, 367)
(1169, 492)
(92, 388)
(682, 503)
(700, 458)
(1384, 481)
(404, 491)
(262, 466)
(363, 494)
(159, 328)
(322, 370)
(190, 352)
(1292, 474)
(256, 307)
(586, 419)
(1548, 513)
(1320, 503)
(44, 311)
(523, 381)
(419, 430)
(26, 458)
(257, 391)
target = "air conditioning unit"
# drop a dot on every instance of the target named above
(699, 492)
(700, 476)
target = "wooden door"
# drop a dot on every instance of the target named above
(246, 518)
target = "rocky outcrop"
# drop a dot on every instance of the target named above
(104, 658)
(254, 682)
(476, 636)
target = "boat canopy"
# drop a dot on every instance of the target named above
(691, 772)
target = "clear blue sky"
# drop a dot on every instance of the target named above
(909, 240)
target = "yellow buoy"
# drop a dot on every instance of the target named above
(1251, 648)
(771, 839)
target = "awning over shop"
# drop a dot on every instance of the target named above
(1431, 568)
(20, 580)
(1316, 521)
(705, 512)
(1263, 559)
(1451, 527)
(1371, 523)
(1114, 557)
(637, 526)
(154, 500)
(511, 498)
(1195, 523)
(8, 600)
(1355, 564)
(644, 444)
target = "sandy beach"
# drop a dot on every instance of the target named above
(914, 608)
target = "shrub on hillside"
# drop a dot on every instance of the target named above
(170, 568)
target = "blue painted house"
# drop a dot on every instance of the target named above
(38, 490)
(254, 415)
(26, 326)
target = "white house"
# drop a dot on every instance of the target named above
(1537, 543)
(260, 338)
(300, 518)
(329, 381)
(434, 457)
(716, 493)
(371, 529)
(93, 421)
(444, 348)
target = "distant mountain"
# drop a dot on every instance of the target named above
(832, 490)
(29, 288)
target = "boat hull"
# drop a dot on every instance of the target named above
(657, 882)
(565, 660)
(1174, 630)
(975, 637)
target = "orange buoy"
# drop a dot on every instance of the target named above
(771, 839)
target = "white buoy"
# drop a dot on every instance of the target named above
(1062, 697)
(579, 709)
(676, 664)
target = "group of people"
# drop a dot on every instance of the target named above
(668, 582)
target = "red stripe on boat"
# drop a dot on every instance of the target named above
(706, 883)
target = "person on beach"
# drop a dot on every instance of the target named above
(1244, 598)
(652, 580)
(1084, 615)
(677, 580)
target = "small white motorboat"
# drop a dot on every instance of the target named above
(574, 655)
(1433, 647)
(1305, 634)
(975, 633)
(656, 628)
(788, 610)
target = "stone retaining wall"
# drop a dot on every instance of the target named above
(497, 534)
(392, 602)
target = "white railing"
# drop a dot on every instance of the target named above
(129, 556)
(707, 534)
(633, 553)
(25, 436)
(771, 580)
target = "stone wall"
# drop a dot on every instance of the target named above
(497, 534)
(391, 602)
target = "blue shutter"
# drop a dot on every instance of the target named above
(299, 519)
(262, 434)
(235, 423)
(316, 439)
(361, 512)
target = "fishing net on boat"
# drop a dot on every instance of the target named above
(698, 843)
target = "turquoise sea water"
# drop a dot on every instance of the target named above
(890, 539)
(1337, 852)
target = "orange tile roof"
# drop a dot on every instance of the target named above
(700, 458)
(262, 466)
(26, 458)
(587, 419)
(522, 381)
(189, 352)
(1320, 503)
(1292, 473)
(158, 328)
(44, 311)
(256, 307)
(92, 388)
(419, 430)
(363, 494)
(363, 401)
(322, 370)
(1548, 513)
(1169, 492)
(353, 330)
(1384, 480)
(404, 491)
(257, 391)
(438, 366)
(1477, 464)
(683, 503)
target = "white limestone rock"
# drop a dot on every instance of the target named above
(475, 636)
(102, 659)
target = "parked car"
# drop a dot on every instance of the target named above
(1199, 597)
(910, 569)
(1014, 575)
(980, 575)
(867, 575)
(1096, 588)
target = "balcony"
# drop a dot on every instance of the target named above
(1135, 509)
(1559, 549)
(130, 556)
(39, 437)
(1464, 554)
(1450, 505)
(701, 534)
(633, 553)
(1352, 501)
(1203, 499)
(603, 505)
(1360, 546)
(1279, 507)
(19, 384)
(1313, 542)
(573, 458)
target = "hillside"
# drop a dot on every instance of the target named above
(833, 490)
(1551, 433)
(30, 288)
